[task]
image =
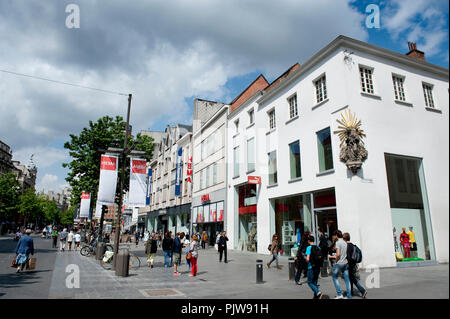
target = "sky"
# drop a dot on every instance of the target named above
(166, 53)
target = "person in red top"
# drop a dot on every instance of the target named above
(404, 239)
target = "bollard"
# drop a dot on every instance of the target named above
(101, 248)
(291, 268)
(259, 271)
(122, 263)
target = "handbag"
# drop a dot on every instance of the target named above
(13, 262)
(189, 255)
(31, 263)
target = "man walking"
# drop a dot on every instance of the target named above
(77, 238)
(314, 258)
(353, 267)
(137, 235)
(167, 246)
(177, 249)
(341, 266)
(70, 239)
(62, 239)
(223, 246)
(54, 237)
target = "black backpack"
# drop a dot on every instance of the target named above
(316, 257)
(354, 255)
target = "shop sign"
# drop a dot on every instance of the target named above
(205, 198)
(178, 173)
(254, 179)
(189, 171)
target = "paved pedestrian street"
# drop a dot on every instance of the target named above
(53, 278)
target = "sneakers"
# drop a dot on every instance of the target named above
(320, 295)
(176, 273)
(339, 297)
(364, 294)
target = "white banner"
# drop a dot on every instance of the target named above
(138, 183)
(85, 204)
(98, 209)
(108, 180)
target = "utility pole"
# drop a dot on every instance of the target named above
(119, 212)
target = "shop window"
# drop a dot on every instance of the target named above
(247, 217)
(325, 152)
(273, 168)
(294, 157)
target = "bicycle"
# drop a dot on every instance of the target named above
(91, 248)
(107, 259)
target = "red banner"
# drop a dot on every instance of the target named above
(108, 163)
(139, 167)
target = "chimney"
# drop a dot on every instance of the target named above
(414, 53)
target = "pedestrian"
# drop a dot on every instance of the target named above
(353, 267)
(63, 239)
(54, 236)
(70, 239)
(274, 249)
(204, 238)
(24, 248)
(314, 259)
(77, 238)
(223, 246)
(167, 245)
(146, 236)
(217, 240)
(300, 258)
(341, 266)
(194, 255)
(137, 235)
(177, 250)
(150, 250)
(187, 245)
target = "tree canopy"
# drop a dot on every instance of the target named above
(9, 195)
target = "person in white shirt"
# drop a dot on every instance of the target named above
(77, 237)
(70, 239)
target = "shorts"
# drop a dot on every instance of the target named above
(177, 258)
(150, 257)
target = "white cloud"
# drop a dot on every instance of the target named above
(50, 183)
(43, 157)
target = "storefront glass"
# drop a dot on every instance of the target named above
(247, 231)
(208, 218)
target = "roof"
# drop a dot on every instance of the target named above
(258, 84)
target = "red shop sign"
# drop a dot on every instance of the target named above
(205, 198)
(254, 179)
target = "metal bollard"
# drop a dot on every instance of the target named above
(259, 271)
(291, 268)
(101, 248)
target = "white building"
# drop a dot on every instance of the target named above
(287, 131)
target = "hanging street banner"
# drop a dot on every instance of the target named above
(138, 183)
(178, 173)
(108, 180)
(189, 171)
(98, 209)
(149, 186)
(85, 204)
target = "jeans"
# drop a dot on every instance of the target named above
(313, 277)
(337, 270)
(274, 257)
(221, 251)
(167, 258)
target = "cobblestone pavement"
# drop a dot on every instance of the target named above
(236, 279)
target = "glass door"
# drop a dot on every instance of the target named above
(326, 220)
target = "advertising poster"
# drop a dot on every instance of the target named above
(220, 211)
(178, 173)
(108, 179)
(213, 213)
(138, 183)
(149, 186)
(85, 204)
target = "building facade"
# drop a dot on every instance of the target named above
(285, 171)
(6, 164)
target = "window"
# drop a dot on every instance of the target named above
(325, 152)
(428, 94)
(366, 80)
(251, 115)
(294, 157)
(398, 88)
(201, 179)
(273, 168)
(203, 149)
(272, 124)
(207, 176)
(236, 125)
(321, 89)
(214, 174)
(236, 161)
(293, 111)
(251, 155)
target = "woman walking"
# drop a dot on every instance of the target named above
(193, 250)
(188, 247)
(274, 249)
(24, 248)
(150, 250)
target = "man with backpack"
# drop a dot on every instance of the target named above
(341, 266)
(314, 258)
(167, 246)
(354, 257)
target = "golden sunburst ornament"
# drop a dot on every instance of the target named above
(348, 123)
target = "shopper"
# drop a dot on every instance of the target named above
(151, 248)
(353, 267)
(223, 246)
(341, 266)
(274, 249)
(204, 239)
(137, 235)
(63, 239)
(77, 238)
(187, 245)
(24, 248)
(314, 258)
(167, 245)
(70, 239)
(54, 237)
(300, 259)
(194, 255)
(177, 249)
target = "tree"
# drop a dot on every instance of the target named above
(86, 150)
(50, 211)
(30, 206)
(9, 196)
(68, 216)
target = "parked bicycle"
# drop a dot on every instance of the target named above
(91, 248)
(106, 261)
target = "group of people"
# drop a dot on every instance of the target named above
(343, 257)
(70, 238)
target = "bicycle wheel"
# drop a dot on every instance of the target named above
(109, 248)
(107, 265)
(86, 251)
(134, 262)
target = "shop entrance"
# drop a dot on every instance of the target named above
(326, 220)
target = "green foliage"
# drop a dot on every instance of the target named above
(30, 205)
(68, 216)
(49, 210)
(86, 150)
(9, 196)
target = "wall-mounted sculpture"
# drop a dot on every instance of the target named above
(353, 152)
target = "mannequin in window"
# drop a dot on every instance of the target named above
(404, 239)
(412, 240)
